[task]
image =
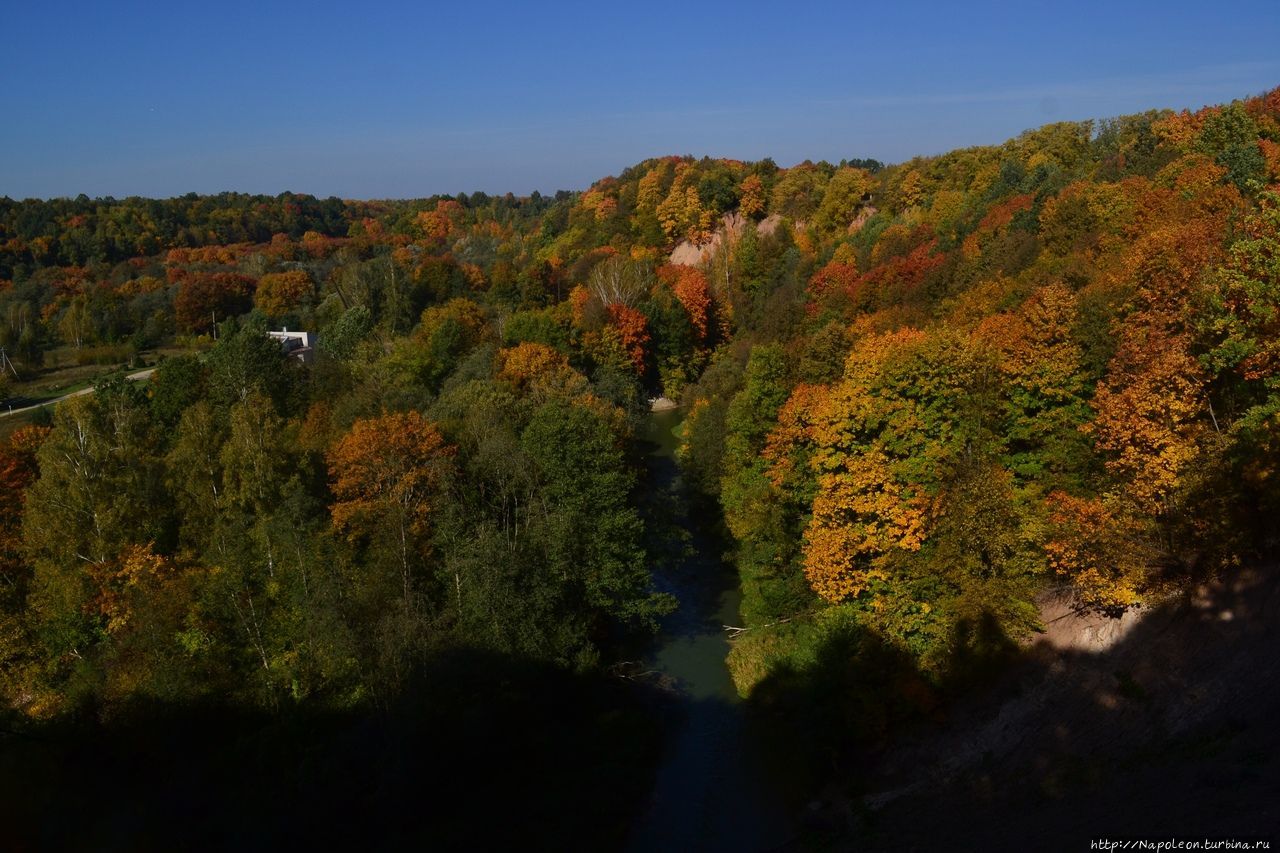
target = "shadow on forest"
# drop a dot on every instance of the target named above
(486, 752)
(1152, 725)
(1157, 725)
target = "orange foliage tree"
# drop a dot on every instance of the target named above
(634, 329)
(1098, 548)
(126, 585)
(1151, 405)
(539, 369)
(1149, 414)
(793, 438)
(896, 279)
(387, 473)
(689, 284)
(751, 200)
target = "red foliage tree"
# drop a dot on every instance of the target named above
(18, 470)
(206, 298)
(690, 287)
(896, 280)
(634, 329)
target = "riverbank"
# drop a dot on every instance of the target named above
(663, 404)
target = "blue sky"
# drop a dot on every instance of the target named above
(410, 99)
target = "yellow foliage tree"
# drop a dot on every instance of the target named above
(860, 513)
(278, 293)
(751, 197)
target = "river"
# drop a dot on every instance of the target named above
(712, 791)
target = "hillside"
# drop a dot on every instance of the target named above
(917, 401)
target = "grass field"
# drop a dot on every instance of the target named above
(62, 375)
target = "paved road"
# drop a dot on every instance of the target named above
(140, 376)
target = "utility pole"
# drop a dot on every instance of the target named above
(5, 362)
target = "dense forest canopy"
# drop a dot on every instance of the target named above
(918, 395)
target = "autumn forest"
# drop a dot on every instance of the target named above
(414, 575)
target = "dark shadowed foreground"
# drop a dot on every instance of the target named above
(497, 755)
(1159, 725)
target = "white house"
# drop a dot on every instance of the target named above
(297, 344)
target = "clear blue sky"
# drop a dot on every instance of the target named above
(400, 99)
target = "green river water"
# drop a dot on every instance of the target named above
(712, 791)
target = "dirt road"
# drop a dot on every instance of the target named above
(140, 376)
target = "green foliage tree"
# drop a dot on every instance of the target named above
(842, 198)
(1230, 136)
(245, 361)
(754, 409)
(341, 339)
(177, 383)
(99, 495)
(591, 536)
